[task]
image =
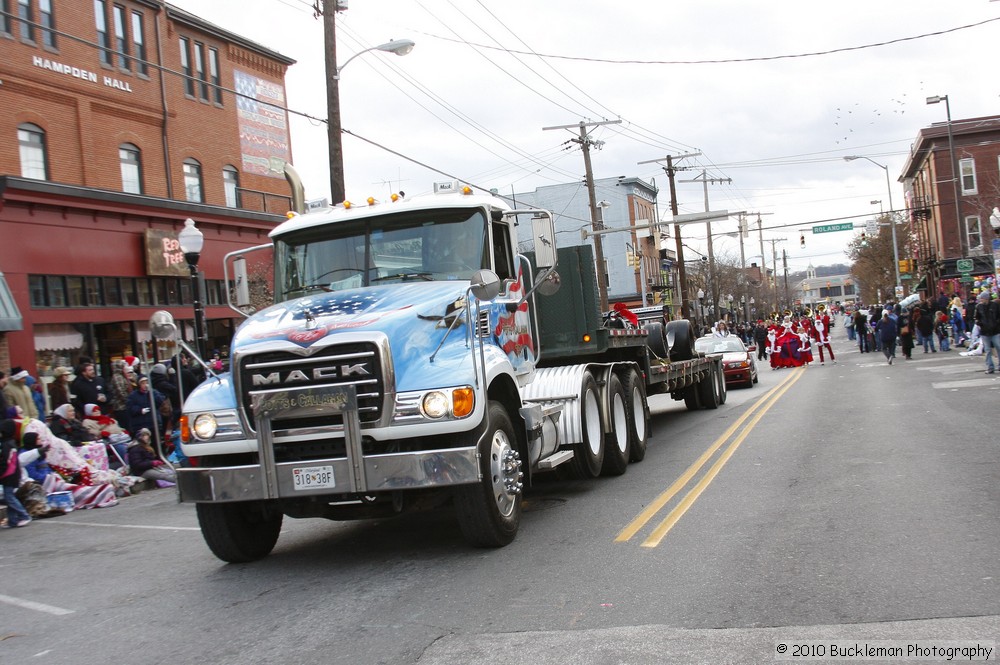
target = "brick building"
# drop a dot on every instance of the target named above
(949, 218)
(119, 119)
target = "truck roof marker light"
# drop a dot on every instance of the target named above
(466, 190)
(586, 338)
(371, 200)
(291, 214)
(347, 205)
(394, 197)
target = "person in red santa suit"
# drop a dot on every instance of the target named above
(788, 340)
(821, 333)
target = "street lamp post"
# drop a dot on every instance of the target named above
(935, 99)
(334, 129)
(892, 216)
(192, 240)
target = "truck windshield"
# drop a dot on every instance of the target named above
(422, 245)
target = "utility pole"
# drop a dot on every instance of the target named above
(774, 265)
(671, 172)
(337, 194)
(585, 143)
(713, 286)
(744, 232)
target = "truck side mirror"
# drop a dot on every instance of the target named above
(485, 285)
(544, 235)
(242, 285)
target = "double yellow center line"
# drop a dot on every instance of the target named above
(753, 415)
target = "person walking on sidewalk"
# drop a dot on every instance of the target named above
(886, 330)
(988, 318)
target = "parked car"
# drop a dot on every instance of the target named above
(739, 362)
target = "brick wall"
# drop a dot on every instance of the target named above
(87, 109)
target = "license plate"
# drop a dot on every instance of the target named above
(313, 477)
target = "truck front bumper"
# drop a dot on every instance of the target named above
(374, 473)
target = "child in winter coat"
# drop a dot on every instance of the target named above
(10, 476)
(142, 460)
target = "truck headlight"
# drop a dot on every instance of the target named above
(435, 404)
(205, 426)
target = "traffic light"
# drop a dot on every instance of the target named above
(802, 240)
(864, 239)
(905, 266)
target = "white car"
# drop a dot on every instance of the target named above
(739, 363)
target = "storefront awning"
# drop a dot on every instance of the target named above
(58, 337)
(922, 284)
(10, 315)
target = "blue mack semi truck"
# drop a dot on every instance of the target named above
(415, 357)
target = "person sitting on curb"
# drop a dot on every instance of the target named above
(142, 460)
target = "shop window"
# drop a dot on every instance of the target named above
(34, 159)
(128, 293)
(144, 296)
(95, 295)
(231, 182)
(47, 19)
(139, 44)
(74, 292)
(192, 180)
(56, 290)
(112, 292)
(131, 165)
(173, 292)
(27, 19)
(186, 292)
(157, 288)
(36, 289)
(103, 38)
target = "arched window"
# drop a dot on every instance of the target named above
(34, 159)
(192, 180)
(131, 163)
(231, 181)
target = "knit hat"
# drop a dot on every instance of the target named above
(132, 361)
(91, 410)
(984, 296)
(17, 373)
(159, 368)
(144, 430)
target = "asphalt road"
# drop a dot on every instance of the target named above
(838, 504)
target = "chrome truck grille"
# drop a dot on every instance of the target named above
(358, 365)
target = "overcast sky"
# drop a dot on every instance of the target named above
(486, 76)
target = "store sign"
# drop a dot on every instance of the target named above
(164, 257)
(964, 265)
(79, 73)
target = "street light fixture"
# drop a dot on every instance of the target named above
(936, 99)
(892, 217)
(334, 129)
(192, 240)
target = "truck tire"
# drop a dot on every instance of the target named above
(680, 335)
(656, 339)
(588, 455)
(691, 400)
(635, 407)
(708, 393)
(617, 443)
(722, 390)
(489, 512)
(239, 532)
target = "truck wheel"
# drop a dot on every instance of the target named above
(656, 339)
(722, 390)
(489, 512)
(681, 339)
(635, 407)
(708, 392)
(616, 443)
(589, 454)
(239, 532)
(691, 400)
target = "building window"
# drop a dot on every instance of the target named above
(103, 39)
(48, 23)
(231, 181)
(973, 232)
(186, 66)
(143, 296)
(199, 69)
(192, 180)
(967, 167)
(128, 291)
(131, 163)
(56, 291)
(112, 293)
(4, 19)
(95, 291)
(213, 71)
(34, 161)
(27, 20)
(121, 37)
(139, 44)
(74, 292)
(36, 288)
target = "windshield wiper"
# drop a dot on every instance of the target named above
(426, 276)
